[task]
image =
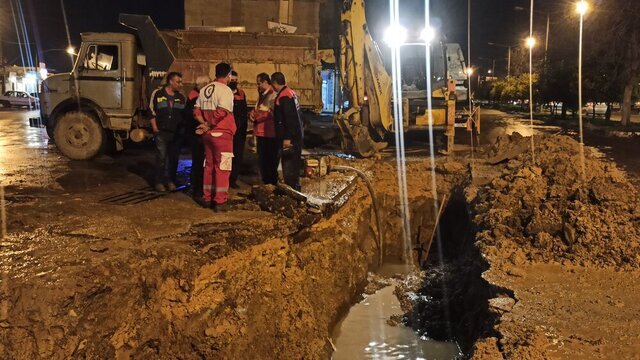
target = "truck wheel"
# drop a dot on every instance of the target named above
(78, 135)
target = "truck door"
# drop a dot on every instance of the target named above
(100, 75)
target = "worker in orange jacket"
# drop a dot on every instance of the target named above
(264, 129)
(214, 108)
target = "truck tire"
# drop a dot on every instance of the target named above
(50, 131)
(78, 135)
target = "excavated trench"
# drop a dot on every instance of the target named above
(442, 309)
(271, 284)
(452, 302)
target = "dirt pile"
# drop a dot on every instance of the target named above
(544, 212)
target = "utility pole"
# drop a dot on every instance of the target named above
(546, 42)
(2, 62)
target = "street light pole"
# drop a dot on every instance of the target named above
(581, 8)
(546, 42)
(531, 43)
(509, 64)
(509, 55)
(469, 54)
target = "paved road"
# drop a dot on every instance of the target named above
(28, 160)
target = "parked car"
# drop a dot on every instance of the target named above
(600, 109)
(17, 99)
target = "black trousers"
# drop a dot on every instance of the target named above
(197, 165)
(292, 164)
(239, 139)
(269, 158)
(167, 155)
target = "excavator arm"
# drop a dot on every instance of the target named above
(366, 84)
(368, 88)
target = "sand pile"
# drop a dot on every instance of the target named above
(544, 212)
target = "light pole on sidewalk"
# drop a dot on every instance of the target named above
(546, 41)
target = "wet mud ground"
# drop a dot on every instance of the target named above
(166, 279)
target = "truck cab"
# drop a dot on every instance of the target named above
(95, 103)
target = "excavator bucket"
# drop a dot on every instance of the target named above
(356, 138)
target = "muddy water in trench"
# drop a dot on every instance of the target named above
(365, 334)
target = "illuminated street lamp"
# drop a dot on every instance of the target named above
(395, 35)
(71, 50)
(428, 34)
(531, 42)
(468, 71)
(582, 7)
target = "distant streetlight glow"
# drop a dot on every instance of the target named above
(71, 50)
(428, 35)
(531, 42)
(582, 7)
(395, 35)
(489, 71)
(469, 71)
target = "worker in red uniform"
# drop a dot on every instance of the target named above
(265, 131)
(288, 121)
(214, 108)
(195, 139)
(240, 113)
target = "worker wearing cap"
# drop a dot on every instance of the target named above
(214, 109)
(288, 123)
(240, 113)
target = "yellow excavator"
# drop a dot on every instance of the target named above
(367, 86)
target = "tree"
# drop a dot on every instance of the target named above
(513, 88)
(560, 84)
(614, 48)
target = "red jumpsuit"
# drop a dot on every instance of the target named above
(218, 144)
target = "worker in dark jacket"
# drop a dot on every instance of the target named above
(195, 139)
(167, 105)
(240, 113)
(288, 122)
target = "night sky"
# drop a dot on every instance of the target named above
(492, 21)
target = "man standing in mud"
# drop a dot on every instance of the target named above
(240, 114)
(288, 123)
(214, 109)
(167, 107)
(197, 147)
